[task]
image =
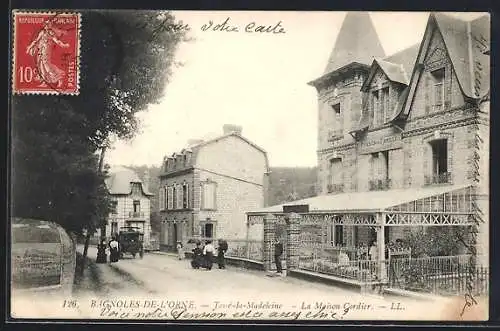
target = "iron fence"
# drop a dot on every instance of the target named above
(443, 275)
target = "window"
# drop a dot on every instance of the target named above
(376, 108)
(439, 161)
(137, 206)
(385, 105)
(179, 196)
(185, 201)
(337, 132)
(114, 205)
(438, 78)
(339, 235)
(379, 171)
(165, 197)
(161, 197)
(336, 109)
(170, 197)
(208, 230)
(174, 197)
(335, 176)
(208, 195)
(385, 169)
(136, 189)
(114, 228)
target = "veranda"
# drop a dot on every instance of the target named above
(331, 234)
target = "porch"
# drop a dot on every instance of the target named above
(362, 238)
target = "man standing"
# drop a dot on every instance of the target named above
(221, 250)
(278, 251)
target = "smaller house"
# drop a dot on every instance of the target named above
(131, 200)
(206, 188)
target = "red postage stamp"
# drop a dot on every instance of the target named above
(46, 53)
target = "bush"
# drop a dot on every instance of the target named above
(437, 241)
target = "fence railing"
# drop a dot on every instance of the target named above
(360, 270)
(444, 275)
(239, 248)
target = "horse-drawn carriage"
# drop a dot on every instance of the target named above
(130, 241)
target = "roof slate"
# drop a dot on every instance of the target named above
(357, 41)
(120, 182)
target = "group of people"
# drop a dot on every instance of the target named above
(203, 255)
(114, 251)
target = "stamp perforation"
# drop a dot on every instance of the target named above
(78, 24)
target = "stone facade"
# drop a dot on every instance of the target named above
(383, 128)
(225, 177)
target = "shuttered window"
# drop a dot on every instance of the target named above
(170, 197)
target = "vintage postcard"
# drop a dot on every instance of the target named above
(249, 166)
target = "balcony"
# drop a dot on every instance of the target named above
(335, 134)
(136, 214)
(435, 179)
(335, 188)
(379, 184)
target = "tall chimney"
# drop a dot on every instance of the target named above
(229, 128)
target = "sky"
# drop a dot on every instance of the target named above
(255, 80)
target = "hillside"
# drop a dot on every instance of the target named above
(291, 183)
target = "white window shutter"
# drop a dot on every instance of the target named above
(170, 197)
(178, 191)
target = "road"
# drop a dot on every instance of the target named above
(163, 276)
(166, 288)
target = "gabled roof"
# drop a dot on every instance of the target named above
(120, 182)
(461, 40)
(231, 134)
(466, 55)
(405, 57)
(195, 148)
(397, 67)
(357, 41)
(370, 201)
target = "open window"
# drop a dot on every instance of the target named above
(440, 172)
(438, 88)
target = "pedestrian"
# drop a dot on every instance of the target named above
(221, 250)
(278, 251)
(102, 257)
(114, 250)
(208, 252)
(197, 261)
(180, 251)
(374, 258)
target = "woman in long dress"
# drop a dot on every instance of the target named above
(41, 50)
(114, 250)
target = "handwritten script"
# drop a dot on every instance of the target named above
(251, 27)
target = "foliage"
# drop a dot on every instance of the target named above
(436, 241)
(126, 60)
(54, 173)
(289, 184)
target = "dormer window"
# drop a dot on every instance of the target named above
(336, 109)
(438, 86)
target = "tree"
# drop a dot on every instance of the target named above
(126, 60)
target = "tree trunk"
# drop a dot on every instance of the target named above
(89, 232)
